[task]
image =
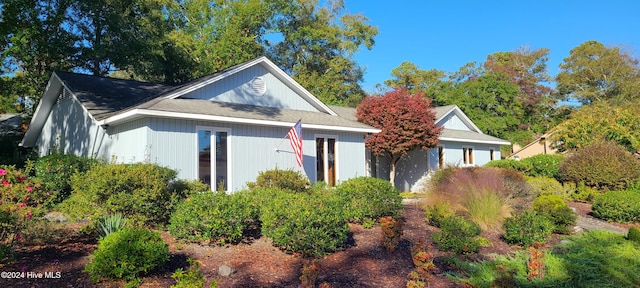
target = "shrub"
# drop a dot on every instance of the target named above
(391, 232)
(584, 193)
(457, 234)
(634, 234)
(527, 228)
(542, 185)
(55, 172)
(141, 192)
(369, 198)
(511, 164)
(215, 217)
(543, 165)
(282, 179)
(603, 165)
(435, 213)
(111, 224)
(17, 188)
(192, 278)
(618, 206)
(558, 211)
(127, 254)
(308, 224)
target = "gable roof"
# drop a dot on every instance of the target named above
(112, 101)
(474, 136)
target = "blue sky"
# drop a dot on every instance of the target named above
(445, 35)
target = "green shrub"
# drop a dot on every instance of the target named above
(127, 254)
(541, 186)
(558, 211)
(308, 224)
(282, 179)
(434, 214)
(55, 172)
(192, 278)
(141, 192)
(584, 193)
(184, 188)
(634, 234)
(369, 198)
(12, 154)
(618, 206)
(605, 165)
(543, 165)
(527, 228)
(511, 164)
(457, 234)
(111, 224)
(214, 216)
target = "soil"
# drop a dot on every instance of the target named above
(365, 263)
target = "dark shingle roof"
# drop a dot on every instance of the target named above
(104, 97)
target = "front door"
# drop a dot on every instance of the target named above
(213, 165)
(326, 160)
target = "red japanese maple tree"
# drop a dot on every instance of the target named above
(407, 122)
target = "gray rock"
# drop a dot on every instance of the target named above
(55, 217)
(225, 270)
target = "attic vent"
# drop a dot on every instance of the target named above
(258, 86)
(64, 95)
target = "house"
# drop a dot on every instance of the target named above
(461, 143)
(538, 146)
(222, 129)
(10, 123)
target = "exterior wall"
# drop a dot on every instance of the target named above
(452, 121)
(413, 170)
(237, 89)
(538, 147)
(252, 149)
(70, 130)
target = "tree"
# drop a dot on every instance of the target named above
(409, 76)
(317, 47)
(593, 72)
(407, 122)
(599, 122)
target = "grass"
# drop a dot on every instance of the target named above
(593, 259)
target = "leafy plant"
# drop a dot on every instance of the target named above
(602, 165)
(311, 225)
(542, 185)
(55, 172)
(369, 198)
(127, 254)
(558, 211)
(618, 206)
(634, 234)
(141, 192)
(281, 179)
(543, 165)
(216, 217)
(391, 232)
(527, 228)
(192, 278)
(435, 213)
(457, 234)
(111, 224)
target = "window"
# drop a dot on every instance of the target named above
(213, 165)
(467, 156)
(326, 159)
(492, 154)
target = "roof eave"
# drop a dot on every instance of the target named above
(139, 113)
(493, 142)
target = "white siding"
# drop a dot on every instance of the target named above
(237, 89)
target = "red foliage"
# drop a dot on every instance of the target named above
(407, 122)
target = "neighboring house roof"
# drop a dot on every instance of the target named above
(10, 123)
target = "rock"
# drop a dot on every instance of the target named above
(225, 270)
(55, 217)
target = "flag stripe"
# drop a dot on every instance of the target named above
(295, 139)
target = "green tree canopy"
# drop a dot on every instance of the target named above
(599, 121)
(594, 72)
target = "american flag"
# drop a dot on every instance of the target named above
(295, 139)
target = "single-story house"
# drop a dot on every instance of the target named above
(538, 146)
(461, 144)
(223, 128)
(10, 123)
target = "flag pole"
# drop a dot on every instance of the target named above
(285, 137)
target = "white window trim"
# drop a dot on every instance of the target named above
(213, 166)
(326, 160)
(470, 157)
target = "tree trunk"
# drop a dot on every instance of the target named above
(392, 173)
